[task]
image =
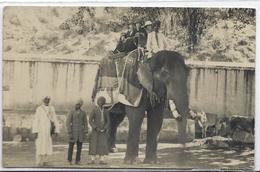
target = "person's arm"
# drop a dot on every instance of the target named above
(165, 42)
(85, 122)
(91, 119)
(68, 122)
(36, 121)
(149, 45)
(107, 120)
(118, 46)
(55, 120)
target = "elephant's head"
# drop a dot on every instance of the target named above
(169, 67)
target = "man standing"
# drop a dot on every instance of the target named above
(77, 126)
(43, 129)
(99, 121)
(156, 41)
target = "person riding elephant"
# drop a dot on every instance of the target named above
(140, 35)
(156, 40)
(131, 30)
(126, 42)
(120, 45)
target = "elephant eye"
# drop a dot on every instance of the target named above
(164, 73)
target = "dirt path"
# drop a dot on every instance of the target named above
(170, 156)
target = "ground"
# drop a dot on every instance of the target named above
(170, 155)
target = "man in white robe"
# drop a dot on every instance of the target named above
(42, 130)
(156, 40)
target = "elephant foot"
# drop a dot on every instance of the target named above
(132, 160)
(150, 161)
(113, 150)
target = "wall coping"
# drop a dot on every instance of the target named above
(52, 60)
(88, 60)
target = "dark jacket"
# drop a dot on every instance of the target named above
(126, 45)
(98, 144)
(77, 125)
(141, 37)
(130, 34)
(95, 119)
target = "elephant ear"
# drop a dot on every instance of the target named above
(145, 76)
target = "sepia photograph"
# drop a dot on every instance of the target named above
(103, 87)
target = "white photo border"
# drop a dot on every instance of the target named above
(146, 3)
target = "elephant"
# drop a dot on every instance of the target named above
(169, 75)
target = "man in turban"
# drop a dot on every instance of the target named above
(43, 130)
(77, 126)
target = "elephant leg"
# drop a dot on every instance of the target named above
(115, 120)
(154, 124)
(135, 116)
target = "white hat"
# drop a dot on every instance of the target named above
(147, 23)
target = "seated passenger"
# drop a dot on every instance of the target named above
(141, 35)
(156, 40)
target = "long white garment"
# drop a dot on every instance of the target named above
(41, 125)
(153, 46)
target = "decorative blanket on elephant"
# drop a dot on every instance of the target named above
(117, 79)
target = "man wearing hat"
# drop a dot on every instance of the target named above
(99, 121)
(131, 30)
(141, 34)
(77, 126)
(156, 40)
(41, 127)
(148, 26)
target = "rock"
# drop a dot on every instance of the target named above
(242, 129)
(13, 131)
(243, 136)
(168, 136)
(25, 134)
(31, 136)
(218, 142)
(17, 138)
(222, 144)
(6, 134)
(242, 123)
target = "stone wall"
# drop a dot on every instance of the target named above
(218, 88)
(225, 89)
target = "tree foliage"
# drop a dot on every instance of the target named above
(191, 21)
